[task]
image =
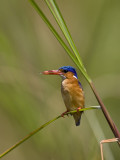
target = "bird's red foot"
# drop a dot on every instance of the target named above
(78, 109)
(62, 115)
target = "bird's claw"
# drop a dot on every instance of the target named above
(62, 115)
(78, 109)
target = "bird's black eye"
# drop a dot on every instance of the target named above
(65, 71)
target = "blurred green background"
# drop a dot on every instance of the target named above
(28, 99)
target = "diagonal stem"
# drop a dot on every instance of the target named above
(60, 20)
(27, 137)
(43, 126)
(55, 33)
(76, 59)
(106, 114)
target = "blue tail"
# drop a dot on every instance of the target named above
(77, 117)
(78, 123)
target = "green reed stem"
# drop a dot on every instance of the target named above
(41, 127)
(75, 55)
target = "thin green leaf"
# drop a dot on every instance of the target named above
(59, 19)
(75, 59)
(37, 8)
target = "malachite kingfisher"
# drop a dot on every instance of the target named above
(71, 89)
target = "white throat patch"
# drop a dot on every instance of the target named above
(63, 77)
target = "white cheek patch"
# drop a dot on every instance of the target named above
(74, 76)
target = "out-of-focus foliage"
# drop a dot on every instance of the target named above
(27, 99)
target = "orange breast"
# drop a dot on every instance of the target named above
(72, 93)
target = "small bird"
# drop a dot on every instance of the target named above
(71, 89)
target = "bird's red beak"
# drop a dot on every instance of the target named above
(52, 72)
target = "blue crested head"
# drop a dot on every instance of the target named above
(69, 69)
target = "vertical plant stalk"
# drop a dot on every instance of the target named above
(106, 114)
